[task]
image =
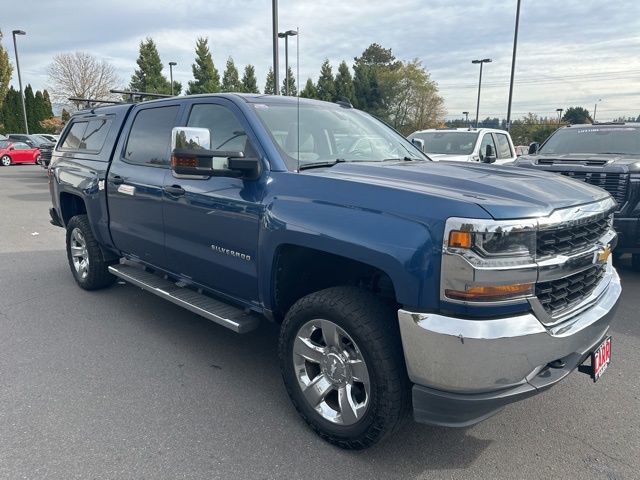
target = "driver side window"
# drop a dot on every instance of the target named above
(227, 133)
(486, 140)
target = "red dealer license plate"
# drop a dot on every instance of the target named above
(601, 358)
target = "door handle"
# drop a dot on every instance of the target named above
(117, 180)
(175, 190)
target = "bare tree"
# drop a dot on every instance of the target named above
(81, 75)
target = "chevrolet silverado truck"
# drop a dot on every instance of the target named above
(397, 283)
(603, 154)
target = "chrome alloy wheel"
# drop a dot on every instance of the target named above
(79, 253)
(331, 372)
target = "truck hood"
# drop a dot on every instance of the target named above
(503, 192)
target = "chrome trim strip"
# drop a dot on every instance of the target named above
(572, 216)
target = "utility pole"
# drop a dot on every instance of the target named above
(286, 35)
(513, 66)
(24, 108)
(484, 60)
(276, 63)
(559, 110)
(171, 65)
(466, 114)
(595, 109)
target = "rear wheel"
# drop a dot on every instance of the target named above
(342, 363)
(87, 263)
(5, 161)
(39, 160)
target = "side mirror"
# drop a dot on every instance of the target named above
(533, 148)
(418, 142)
(489, 155)
(191, 155)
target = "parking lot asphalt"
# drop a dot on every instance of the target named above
(119, 384)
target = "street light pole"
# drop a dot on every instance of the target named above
(171, 65)
(595, 108)
(24, 108)
(513, 66)
(276, 66)
(286, 35)
(466, 114)
(559, 110)
(484, 60)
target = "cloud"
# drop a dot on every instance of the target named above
(569, 53)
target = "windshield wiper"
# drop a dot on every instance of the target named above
(403, 159)
(322, 164)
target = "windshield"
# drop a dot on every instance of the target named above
(330, 134)
(621, 139)
(450, 143)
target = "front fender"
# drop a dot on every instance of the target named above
(400, 247)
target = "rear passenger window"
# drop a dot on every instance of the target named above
(504, 149)
(74, 137)
(150, 136)
(95, 134)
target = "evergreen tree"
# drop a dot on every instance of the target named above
(230, 78)
(48, 108)
(269, 87)
(309, 90)
(293, 91)
(344, 83)
(205, 74)
(370, 70)
(148, 77)
(249, 80)
(326, 84)
(12, 112)
(29, 105)
(5, 72)
(39, 113)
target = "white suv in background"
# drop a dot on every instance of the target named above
(486, 145)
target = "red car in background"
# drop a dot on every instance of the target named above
(17, 152)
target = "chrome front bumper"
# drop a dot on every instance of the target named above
(466, 356)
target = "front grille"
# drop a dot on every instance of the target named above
(617, 184)
(570, 239)
(559, 295)
(46, 153)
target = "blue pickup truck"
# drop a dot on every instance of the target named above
(398, 283)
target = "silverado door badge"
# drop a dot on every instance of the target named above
(127, 189)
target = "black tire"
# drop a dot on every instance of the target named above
(38, 160)
(635, 262)
(97, 274)
(373, 326)
(5, 161)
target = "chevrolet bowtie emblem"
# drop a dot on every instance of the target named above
(603, 255)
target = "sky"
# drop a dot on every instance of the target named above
(570, 52)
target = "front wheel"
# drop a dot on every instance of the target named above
(342, 364)
(87, 263)
(5, 161)
(39, 160)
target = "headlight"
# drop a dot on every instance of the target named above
(488, 261)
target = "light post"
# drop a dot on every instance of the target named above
(513, 66)
(286, 35)
(481, 62)
(276, 63)
(24, 108)
(595, 108)
(171, 65)
(559, 110)
(466, 114)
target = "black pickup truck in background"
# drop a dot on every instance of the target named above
(606, 155)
